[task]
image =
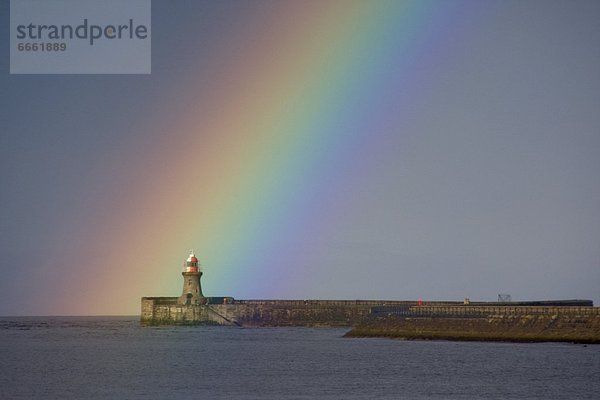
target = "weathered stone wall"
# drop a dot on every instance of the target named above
(403, 319)
(166, 310)
(565, 324)
(299, 312)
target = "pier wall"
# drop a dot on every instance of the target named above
(505, 323)
(299, 312)
(378, 316)
(167, 311)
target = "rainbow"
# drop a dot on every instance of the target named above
(259, 152)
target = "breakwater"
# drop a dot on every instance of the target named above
(568, 321)
(563, 320)
(483, 322)
(226, 311)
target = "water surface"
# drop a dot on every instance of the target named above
(116, 358)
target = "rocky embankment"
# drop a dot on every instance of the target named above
(567, 326)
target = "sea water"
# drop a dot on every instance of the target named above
(116, 358)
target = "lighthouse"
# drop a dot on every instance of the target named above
(192, 291)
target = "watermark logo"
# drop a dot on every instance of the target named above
(80, 37)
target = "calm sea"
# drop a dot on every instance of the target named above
(115, 358)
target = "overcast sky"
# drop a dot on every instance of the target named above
(471, 165)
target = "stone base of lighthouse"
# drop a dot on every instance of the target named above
(192, 291)
(171, 311)
(165, 310)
